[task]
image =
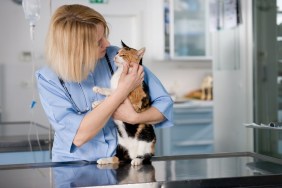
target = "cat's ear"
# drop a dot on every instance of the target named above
(124, 45)
(141, 52)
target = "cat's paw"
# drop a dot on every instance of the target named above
(102, 91)
(109, 160)
(97, 89)
(136, 161)
(95, 104)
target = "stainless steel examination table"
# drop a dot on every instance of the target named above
(243, 169)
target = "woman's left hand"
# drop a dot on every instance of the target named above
(126, 113)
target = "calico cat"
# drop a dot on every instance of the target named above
(136, 143)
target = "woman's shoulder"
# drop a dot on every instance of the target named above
(112, 50)
(46, 73)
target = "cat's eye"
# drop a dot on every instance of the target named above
(100, 42)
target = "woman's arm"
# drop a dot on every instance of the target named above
(159, 114)
(126, 113)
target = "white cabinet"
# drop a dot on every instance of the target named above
(187, 32)
(192, 132)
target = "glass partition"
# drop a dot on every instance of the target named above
(268, 74)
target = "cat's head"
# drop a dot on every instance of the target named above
(129, 55)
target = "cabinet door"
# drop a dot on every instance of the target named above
(192, 132)
(188, 30)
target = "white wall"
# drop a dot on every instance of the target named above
(233, 85)
(14, 39)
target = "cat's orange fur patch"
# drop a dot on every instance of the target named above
(136, 97)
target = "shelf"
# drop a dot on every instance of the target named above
(189, 103)
(194, 143)
(262, 126)
(189, 34)
(188, 122)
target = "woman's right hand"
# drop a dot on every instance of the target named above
(131, 77)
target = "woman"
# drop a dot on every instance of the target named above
(76, 47)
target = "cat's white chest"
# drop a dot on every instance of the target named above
(134, 146)
(115, 78)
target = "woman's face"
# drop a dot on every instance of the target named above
(103, 42)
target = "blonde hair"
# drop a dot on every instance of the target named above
(72, 41)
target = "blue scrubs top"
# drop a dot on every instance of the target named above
(65, 117)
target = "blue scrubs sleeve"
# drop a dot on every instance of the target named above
(65, 121)
(160, 98)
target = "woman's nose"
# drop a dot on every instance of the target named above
(106, 43)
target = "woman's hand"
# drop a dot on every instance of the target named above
(131, 77)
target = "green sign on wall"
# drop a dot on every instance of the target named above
(98, 1)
